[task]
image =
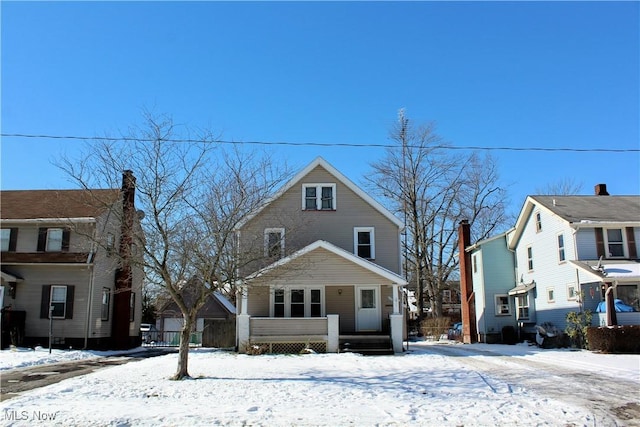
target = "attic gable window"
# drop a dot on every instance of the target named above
(319, 197)
(538, 222)
(274, 242)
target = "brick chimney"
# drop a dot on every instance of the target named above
(601, 190)
(467, 297)
(124, 277)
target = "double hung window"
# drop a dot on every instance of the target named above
(319, 197)
(364, 242)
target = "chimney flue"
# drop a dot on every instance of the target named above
(601, 190)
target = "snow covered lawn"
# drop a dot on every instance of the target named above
(418, 388)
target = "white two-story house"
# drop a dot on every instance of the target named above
(327, 267)
(566, 251)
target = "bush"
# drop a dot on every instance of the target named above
(257, 349)
(577, 324)
(614, 339)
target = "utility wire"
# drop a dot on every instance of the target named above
(324, 144)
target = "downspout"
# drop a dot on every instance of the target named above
(89, 298)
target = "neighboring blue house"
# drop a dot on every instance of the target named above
(565, 252)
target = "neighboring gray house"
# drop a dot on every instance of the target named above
(67, 251)
(566, 252)
(327, 270)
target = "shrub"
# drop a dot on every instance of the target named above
(577, 324)
(614, 339)
(257, 349)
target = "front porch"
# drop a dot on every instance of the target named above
(320, 334)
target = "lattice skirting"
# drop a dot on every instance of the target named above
(293, 347)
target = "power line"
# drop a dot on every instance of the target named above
(325, 144)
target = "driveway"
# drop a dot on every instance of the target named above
(16, 381)
(613, 401)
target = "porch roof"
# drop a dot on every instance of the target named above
(368, 265)
(522, 288)
(621, 271)
(8, 277)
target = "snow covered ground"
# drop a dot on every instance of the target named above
(422, 387)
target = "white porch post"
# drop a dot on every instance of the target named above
(396, 331)
(243, 321)
(333, 332)
(396, 299)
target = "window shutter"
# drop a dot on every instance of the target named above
(69, 313)
(631, 241)
(600, 242)
(13, 239)
(42, 239)
(66, 235)
(44, 302)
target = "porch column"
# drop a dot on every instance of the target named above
(396, 331)
(396, 299)
(333, 332)
(244, 299)
(243, 325)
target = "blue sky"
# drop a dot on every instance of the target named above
(490, 74)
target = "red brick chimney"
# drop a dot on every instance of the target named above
(601, 190)
(467, 297)
(124, 278)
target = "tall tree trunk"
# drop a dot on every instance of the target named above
(183, 351)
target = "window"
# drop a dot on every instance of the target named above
(274, 242)
(629, 294)
(8, 239)
(132, 307)
(299, 302)
(278, 303)
(364, 242)
(319, 197)
(572, 294)
(53, 239)
(561, 256)
(538, 222)
(530, 258)
(58, 301)
(551, 295)
(60, 297)
(111, 241)
(104, 309)
(615, 243)
(523, 306)
(503, 308)
(446, 296)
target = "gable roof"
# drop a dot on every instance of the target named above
(368, 265)
(319, 161)
(55, 204)
(581, 211)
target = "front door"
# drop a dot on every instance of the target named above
(368, 308)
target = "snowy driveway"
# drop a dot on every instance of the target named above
(573, 381)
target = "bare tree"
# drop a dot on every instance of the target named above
(433, 190)
(193, 194)
(564, 187)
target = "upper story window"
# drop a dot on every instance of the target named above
(316, 197)
(111, 242)
(364, 242)
(538, 222)
(274, 242)
(530, 258)
(615, 243)
(53, 239)
(8, 239)
(561, 256)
